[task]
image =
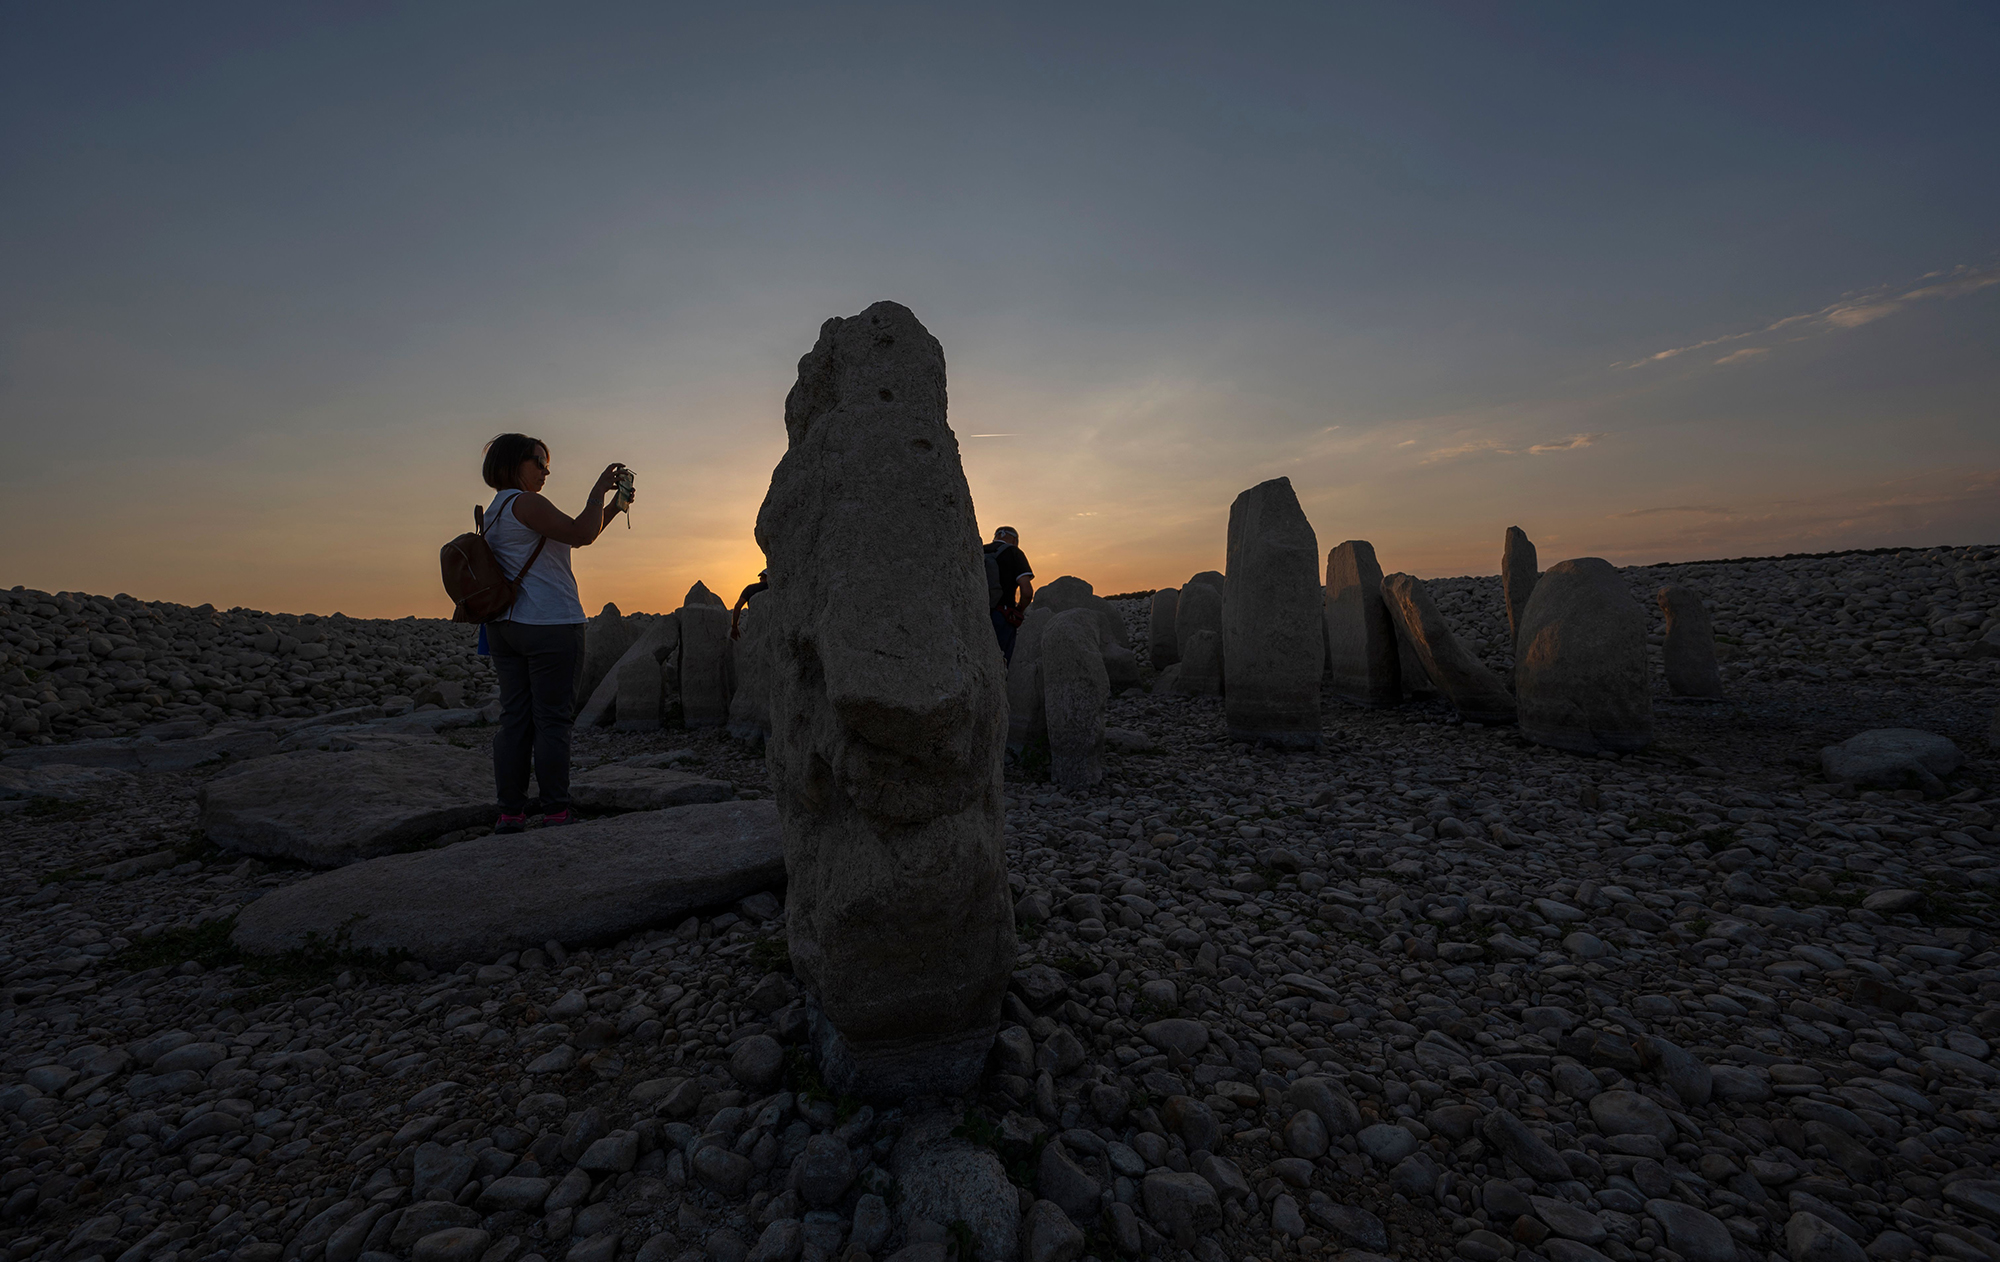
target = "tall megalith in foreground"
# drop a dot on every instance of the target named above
(1474, 691)
(1519, 568)
(1271, 632)
(888, 718)
(1690, 647)
(1076, 688)
(1580, 671)
(1360, 635)
(1160, 639)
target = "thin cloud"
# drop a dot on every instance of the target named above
(1487, 446)
(1851, 312)
(991, 435)
(1700, 509)
(1571, 443)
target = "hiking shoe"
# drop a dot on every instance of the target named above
(559, 819)
(510, 823)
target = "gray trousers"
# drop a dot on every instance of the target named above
(539, 669)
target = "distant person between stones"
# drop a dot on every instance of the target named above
(537, 646)
(742, 599)
(1010, 586)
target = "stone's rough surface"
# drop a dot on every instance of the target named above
(1075, 689)
(629, 787)
(750, 704)
(641, 683)
(1891, 757)
(707, 658)
(605, 640)
(1364, 666)
(660, 639)
(1026, 718)
(888, 717)
(328, 809)
(1198, 609)
(1161, 640)
(1272, 634)
(1200, 670)
(1580, 662)
(944, 1179)
(1114, 642)
(1690, 647)
(1475, 692)
(478, 899)
(1519, 569)
(1810, 1238)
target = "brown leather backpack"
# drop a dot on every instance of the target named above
(479, 588)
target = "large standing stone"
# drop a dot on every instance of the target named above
(1075, 689)
(605, 639)
(888, 718)
(707, 677)
(1690, 651)
(640, 685)
(1360, 634)
(1580, 671)
(1165, 648)
(1474, 691)
(1198, 609)
(1272, 634)
(1519, 569)
(1114, 643)
(750, 704)
(477, 900)
(658, 641)
(1200, 671)
(1026, 718)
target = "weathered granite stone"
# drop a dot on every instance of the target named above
(1076, 690)
(328, 809)
(1690, 648)
(1519, 569)
(658, 641)
(750, 704)
(1890, 757)
(1272, 633)
(479, 899)
(1200, 671)
(1114, 643)
(1026, 718)
(1363, 661)
(1199, 608)
(1474, 691)
(888, 718)
(707, 677)
(946, 1179)
(640, 680)
(1161, 641)
(1580, 673)
(629, 787)
(605, 639)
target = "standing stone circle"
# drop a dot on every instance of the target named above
(1362, 656)
(1690, 648)
(1075, 689)
(1580, 669)
(888, 718)
(1519, 569)
(1474, 691)
(1272, 629)
(1160, 640)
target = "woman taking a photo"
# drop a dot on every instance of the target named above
(537, 645)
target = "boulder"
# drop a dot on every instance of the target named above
(640, 681)
(1519, 569)
(888, 718)
(1160, 641)
(1075, 689)
(328, 809)
(1198, 609)
(944, 1179)
(1690, 649)
(626, 787)
(1890, 757)
(1114, 644)
(1580, 672)
(1272, 632)
(605, 640)
(700, 595)
(658, 641)
(1474, 691)
(592, 882)
(706, 660)
(1026, 718)
(1364, 664)
(1200, 671)
(750, 704)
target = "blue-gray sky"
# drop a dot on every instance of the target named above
(272, 273)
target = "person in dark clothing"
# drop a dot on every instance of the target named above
(736, 614)
(1016, 587)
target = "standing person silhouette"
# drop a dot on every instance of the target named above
(1016, 580)
(537, 645)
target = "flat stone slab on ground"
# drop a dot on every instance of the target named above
(328, 809)
(479, 899)
(625, 787)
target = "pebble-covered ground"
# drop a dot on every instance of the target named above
(1431, 991)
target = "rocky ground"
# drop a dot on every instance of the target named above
(1428, 992)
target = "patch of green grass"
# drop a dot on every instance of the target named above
(773, 955)
(1035, 760)
(1699, 927)
(804, 1075)
(1077, 966)
(208, 944)
(196, 845)
(1022, 1161)
(1029, 930)
(964, 1241)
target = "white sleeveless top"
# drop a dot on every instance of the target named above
(548, 595)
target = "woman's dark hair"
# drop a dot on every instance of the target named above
(504, 456)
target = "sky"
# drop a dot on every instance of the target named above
(1654, 283)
